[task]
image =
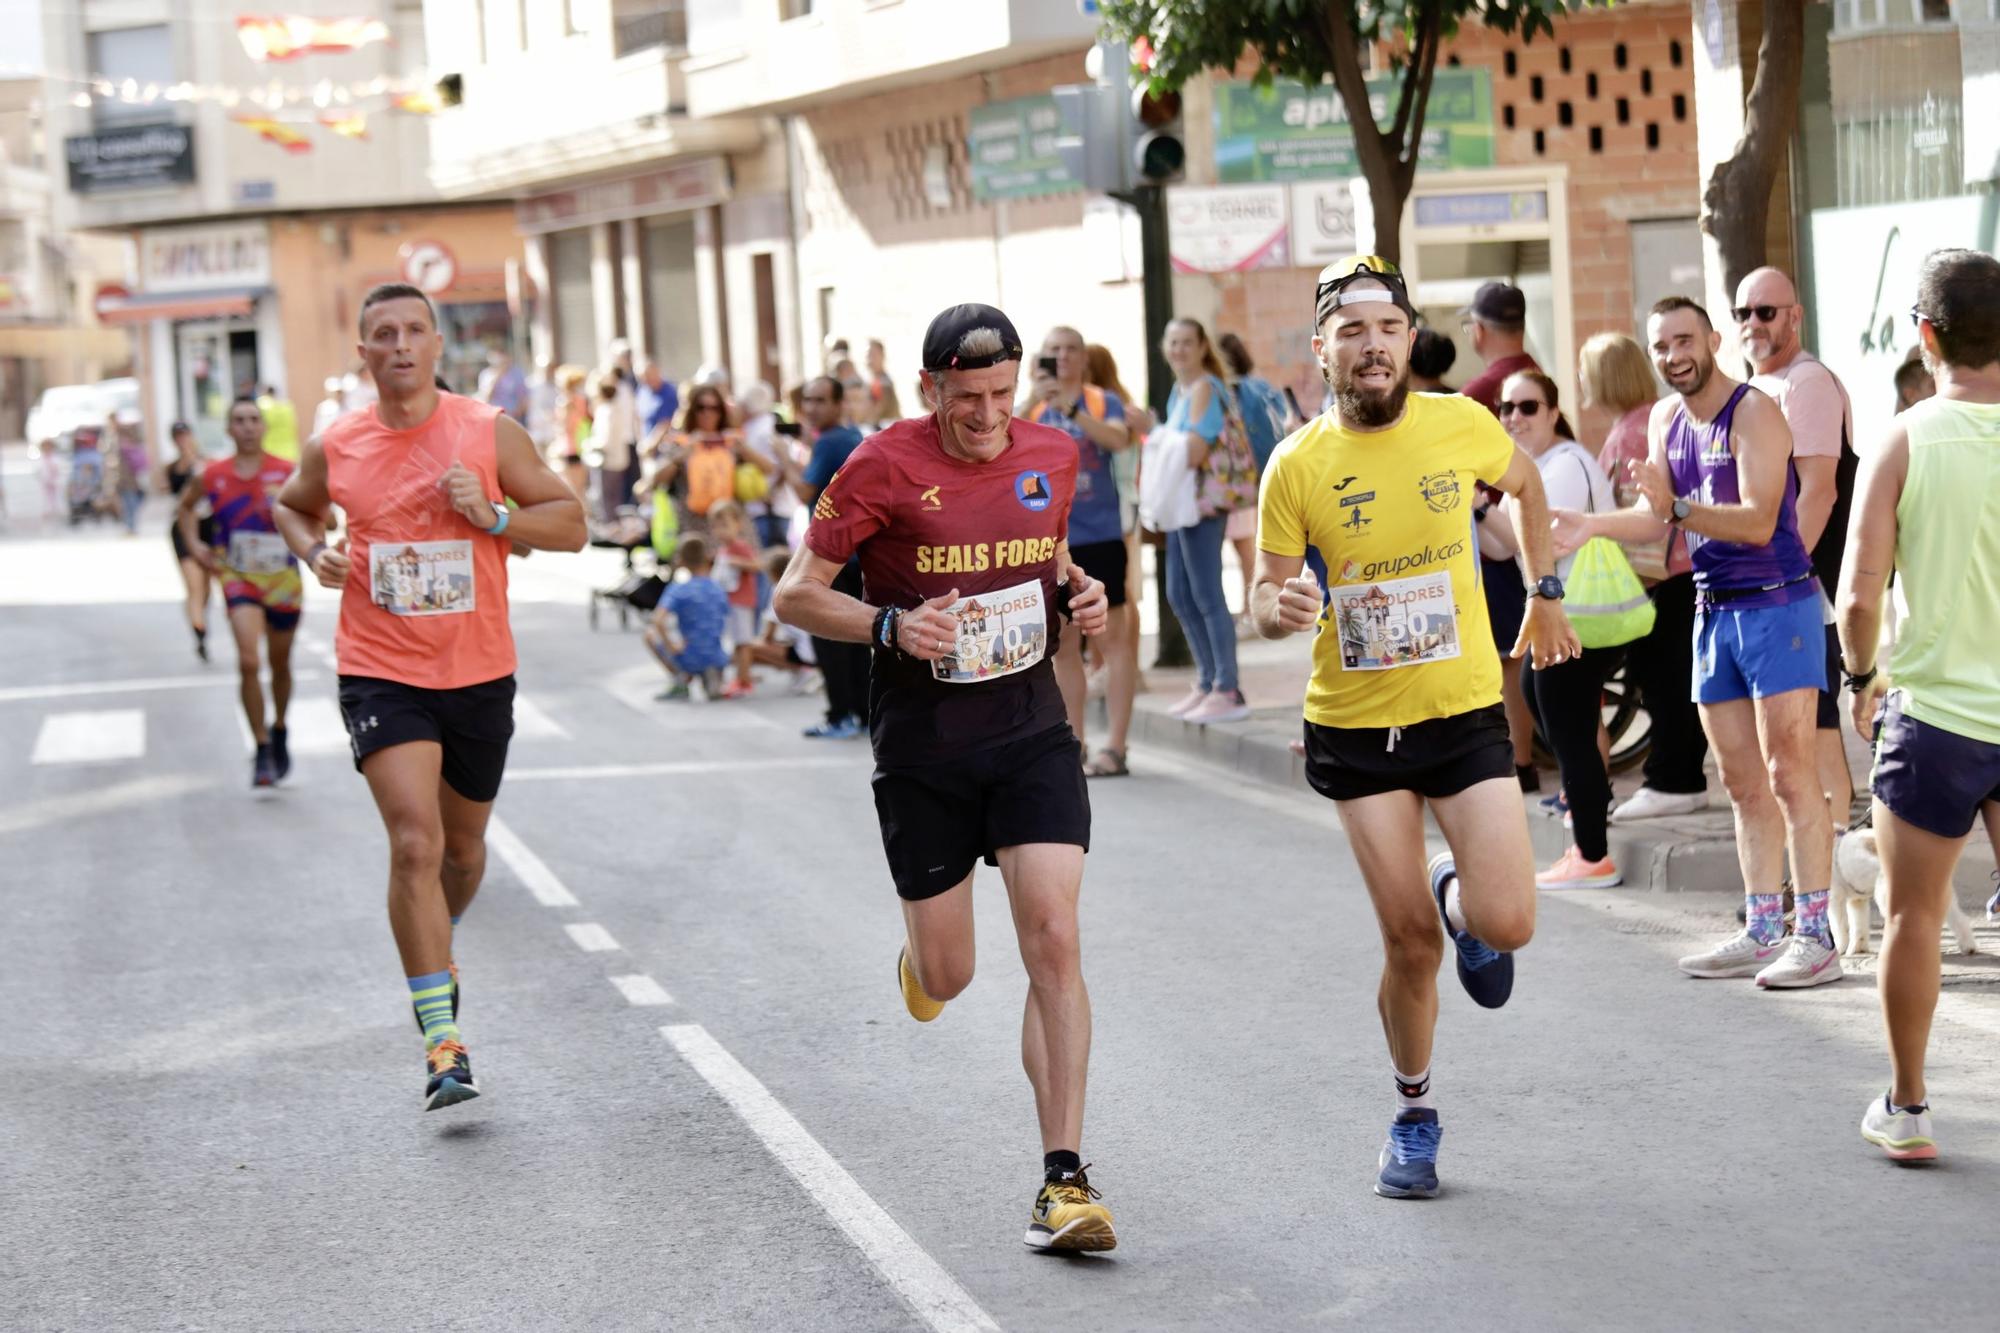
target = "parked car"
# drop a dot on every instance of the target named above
(62, 409)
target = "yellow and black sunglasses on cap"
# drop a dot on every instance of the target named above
(1356, 279)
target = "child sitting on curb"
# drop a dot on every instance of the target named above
(686, 629)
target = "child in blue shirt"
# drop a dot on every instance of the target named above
(686, 629)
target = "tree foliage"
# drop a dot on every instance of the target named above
(1312, 41)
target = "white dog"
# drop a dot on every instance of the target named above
(1857, 877)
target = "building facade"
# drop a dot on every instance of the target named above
(262, 197)
(49, 333)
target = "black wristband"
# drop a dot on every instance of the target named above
(1858, 682)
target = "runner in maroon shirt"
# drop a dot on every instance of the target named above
(958, 519)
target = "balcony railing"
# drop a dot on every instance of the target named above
(641, 29)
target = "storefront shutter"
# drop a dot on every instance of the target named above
(673, 301)
(576, 312)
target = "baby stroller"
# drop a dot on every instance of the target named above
(640, 588)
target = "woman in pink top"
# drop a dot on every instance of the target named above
(1616, 377)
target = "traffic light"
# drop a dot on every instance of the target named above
(1158, 151)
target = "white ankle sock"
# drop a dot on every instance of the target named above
(1406, 1101)
(1453, 911)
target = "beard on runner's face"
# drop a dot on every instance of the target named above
(1373, 391)
(1688, 375)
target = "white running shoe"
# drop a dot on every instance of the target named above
(1219, 706)
(1902, 1133)
(1574, 872)
(1805, 962)
(1741, 955)
(1649, 804)
(1188, 702)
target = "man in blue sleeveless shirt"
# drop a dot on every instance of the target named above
(1720, 469)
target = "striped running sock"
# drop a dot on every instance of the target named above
(1413, 1091)
(431, 994)
(1812, 916)
(1764, 916)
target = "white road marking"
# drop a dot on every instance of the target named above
(919, 1279)
(635, 687)
(91, 738)
(530, 869)
(532, 724)
(81, 807)
(137, 685)
(314, 726)
(684, 768)
(591, 937)
(642, 989)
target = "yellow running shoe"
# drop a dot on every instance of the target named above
(921, 1006)
(1068, 1216)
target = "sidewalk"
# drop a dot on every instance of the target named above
(1693, 853)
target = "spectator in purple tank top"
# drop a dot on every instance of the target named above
(1718, 467)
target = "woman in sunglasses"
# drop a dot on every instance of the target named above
(1567, 696)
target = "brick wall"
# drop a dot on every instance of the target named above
(1611, 95)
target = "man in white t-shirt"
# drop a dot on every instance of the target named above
(1768, 319)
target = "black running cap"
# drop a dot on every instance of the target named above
(948, 330)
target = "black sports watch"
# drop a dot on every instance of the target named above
(1549, 586)
(1681, 510)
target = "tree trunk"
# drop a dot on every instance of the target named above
(1388, 159)
(1736, 206)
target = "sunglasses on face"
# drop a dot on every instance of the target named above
(1527, 407)
(1764, 313)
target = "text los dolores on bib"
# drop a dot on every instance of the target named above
(258, 553)
(999, 633)
(1398, 623)
(422, 578)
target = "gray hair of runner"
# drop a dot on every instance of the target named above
(981, 342)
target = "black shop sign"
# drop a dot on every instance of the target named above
(133, 157)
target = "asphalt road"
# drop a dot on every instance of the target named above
(209, 1079)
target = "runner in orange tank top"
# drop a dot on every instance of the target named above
(425, 651)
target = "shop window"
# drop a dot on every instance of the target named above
(673, 333)
(471, 329)
(141, 55)
(575, 305)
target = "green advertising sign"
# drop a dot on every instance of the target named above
(1290, 132)
(1012, 148)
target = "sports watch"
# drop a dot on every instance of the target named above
(1681, 510)
(1549, 586)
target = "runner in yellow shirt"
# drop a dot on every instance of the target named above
(1404, 704)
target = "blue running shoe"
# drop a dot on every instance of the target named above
(1488, 977)
(1556, 806)
(450, 1076)
(1409, 1158)
(844, 730)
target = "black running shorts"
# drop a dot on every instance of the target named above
(1105, 562)
(473, 724)
(939, 820)
(1441, 757)
(1831, 704)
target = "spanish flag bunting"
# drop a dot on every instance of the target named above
(422, 102)
(289, 36)
(288, 137)
(347, 124)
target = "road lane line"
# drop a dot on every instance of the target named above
(683, 768)
(91, 738)
(591, 937)
(55, 812)
(530, 869)
(137, 685)
(641, 989)
(532, 724)
(919, 1279)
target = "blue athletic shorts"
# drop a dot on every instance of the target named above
(1931, 778)
(1758, 651)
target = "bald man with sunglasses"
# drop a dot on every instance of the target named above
(1769, 322)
